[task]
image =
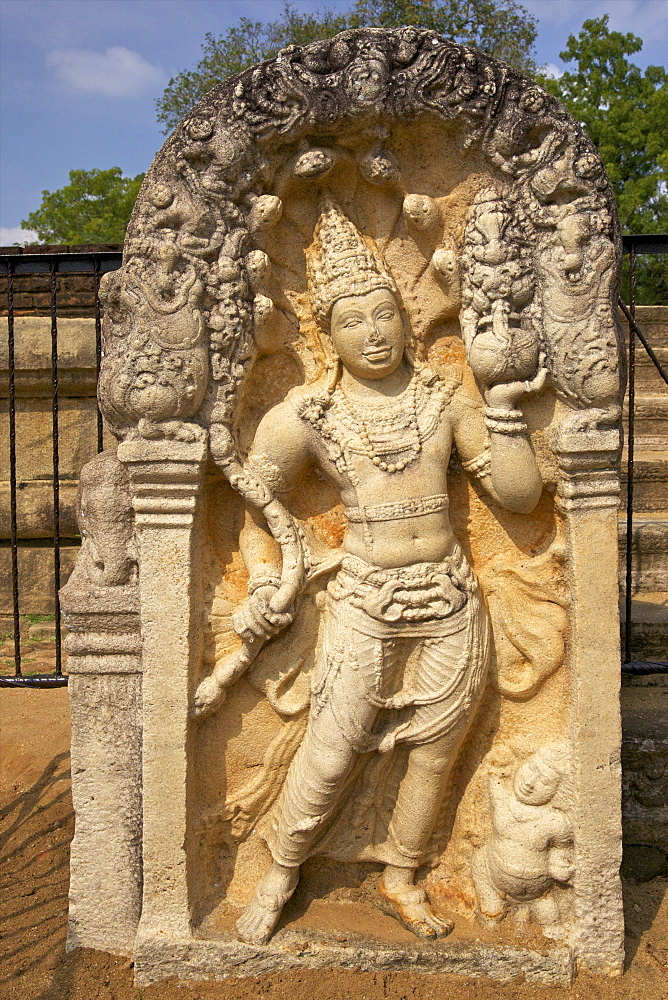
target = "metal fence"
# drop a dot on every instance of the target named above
(96, 263)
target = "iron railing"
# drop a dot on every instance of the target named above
(96, 263)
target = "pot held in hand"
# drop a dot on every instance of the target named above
(509, 358)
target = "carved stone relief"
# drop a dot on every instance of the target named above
(529, 853)
(363, 363)
(108, 555)
(100, 605)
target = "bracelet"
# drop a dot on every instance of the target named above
(260, 466)
(268, 580)
(504, 413)
(500, 420)
(480, 465)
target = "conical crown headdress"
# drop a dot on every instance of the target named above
(341, 262)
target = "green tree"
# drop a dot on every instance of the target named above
(95, 207)
(625, 112)
(502, 28)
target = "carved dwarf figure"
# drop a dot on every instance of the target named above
(106, 521)
(403, 646)
(531, 848)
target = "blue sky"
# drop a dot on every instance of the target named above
(79, 78)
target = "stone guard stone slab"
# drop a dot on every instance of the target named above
(363, 361)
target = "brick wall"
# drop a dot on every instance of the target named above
(75, 293)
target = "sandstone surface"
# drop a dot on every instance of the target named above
(358, 547)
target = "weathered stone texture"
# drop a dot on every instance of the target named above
(101, 610)
(105, 855)
(193, 959)
(348, 265)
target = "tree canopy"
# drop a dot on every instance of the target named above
(95, 207)
(503, 28)
(625, 112)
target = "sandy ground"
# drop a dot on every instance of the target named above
(36, 825)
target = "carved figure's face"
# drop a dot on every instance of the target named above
(534, 785)
(367, 80)
(368, 333)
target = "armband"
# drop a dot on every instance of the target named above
(265, 470)
(267, 580)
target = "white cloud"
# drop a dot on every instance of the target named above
(642, 17)
(116, 72)
(552, 71)
(9, 235)
(647, 18)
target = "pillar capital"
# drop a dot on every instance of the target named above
(589, 466)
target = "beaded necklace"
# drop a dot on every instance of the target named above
(332, 416)
(390, 424)
(339, 425)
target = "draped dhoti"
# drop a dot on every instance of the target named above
(402, 658)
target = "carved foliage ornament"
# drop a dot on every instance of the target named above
(184, 309)
(186, 313)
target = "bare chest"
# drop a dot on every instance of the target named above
(375, 457)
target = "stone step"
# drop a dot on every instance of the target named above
(651, 422)
(650, 551)
(650, 481)
(645, 771)
(648, 380)
(651, 409)
(649, 626)
(653, 321)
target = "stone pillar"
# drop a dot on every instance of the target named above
(589, 500)
(165, 479)
(104, 667)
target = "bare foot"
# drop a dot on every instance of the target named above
(256, 924)
(412, 908)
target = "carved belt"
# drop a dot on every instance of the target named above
(416, 593)
(398, 509)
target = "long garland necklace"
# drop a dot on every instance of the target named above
(400, 418)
